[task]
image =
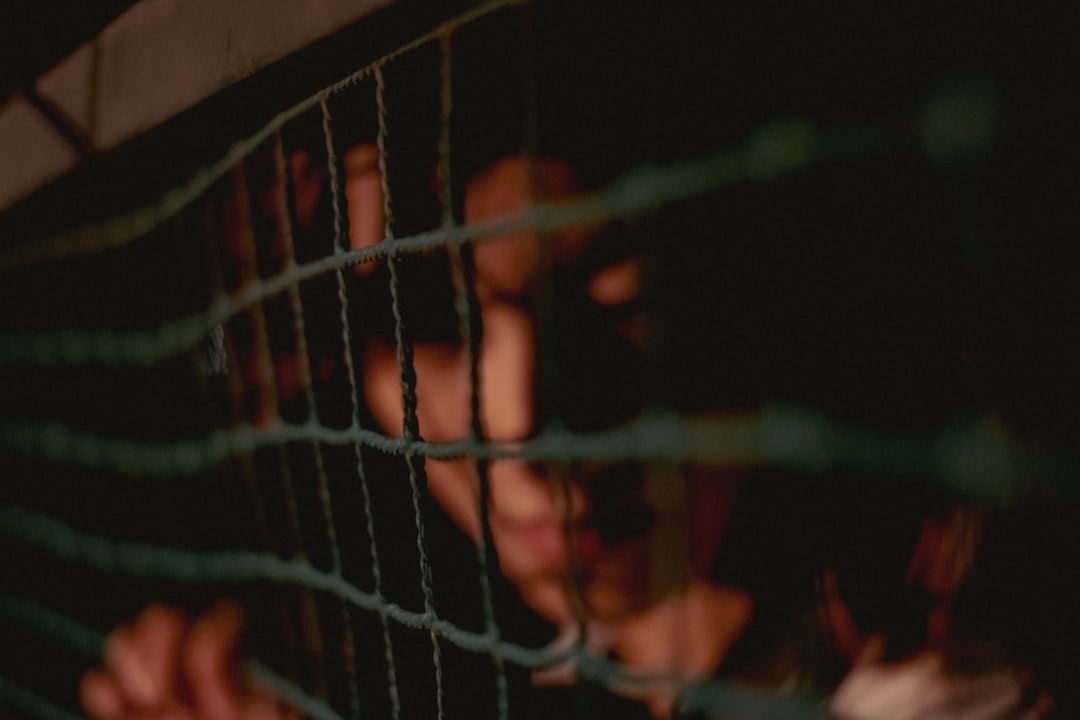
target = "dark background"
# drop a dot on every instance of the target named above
(895, 288)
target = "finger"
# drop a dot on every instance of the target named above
(209, 658)
(101, 695)
(157, 637)
(129, 670)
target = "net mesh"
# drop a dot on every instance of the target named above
(189, 410)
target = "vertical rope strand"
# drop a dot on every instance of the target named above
(283, 197)
(221, 417)
(411, 425)
(384, 156)
(340, 232)
(268, 396)
(547, 349)
(235, 413)
(283, 203)
(283, 188)
(264, 366)
(470, 327)
(269, 408)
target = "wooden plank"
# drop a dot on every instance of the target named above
(155, 61)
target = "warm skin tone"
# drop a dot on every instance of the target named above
(165, 665)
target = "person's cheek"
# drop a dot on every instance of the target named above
(442, 389)
(505, 265)
(451, 483)
(506, 374)
(528, 518)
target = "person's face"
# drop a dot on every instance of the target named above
(535, 508)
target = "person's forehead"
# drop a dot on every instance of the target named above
(512, 184)
(528, 176)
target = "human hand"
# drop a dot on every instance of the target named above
(166, 666)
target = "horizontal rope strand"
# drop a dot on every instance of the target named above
(186, 566)
(974, 459)
(124, 229)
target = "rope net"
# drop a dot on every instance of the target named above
(495, 376)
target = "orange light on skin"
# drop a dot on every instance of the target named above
(617, 284)
(365, 199)
(525, 516)
(166, 666)
(528, 514)
(685, 627)
(507, 265)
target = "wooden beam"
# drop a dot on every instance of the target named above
(155, 61)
